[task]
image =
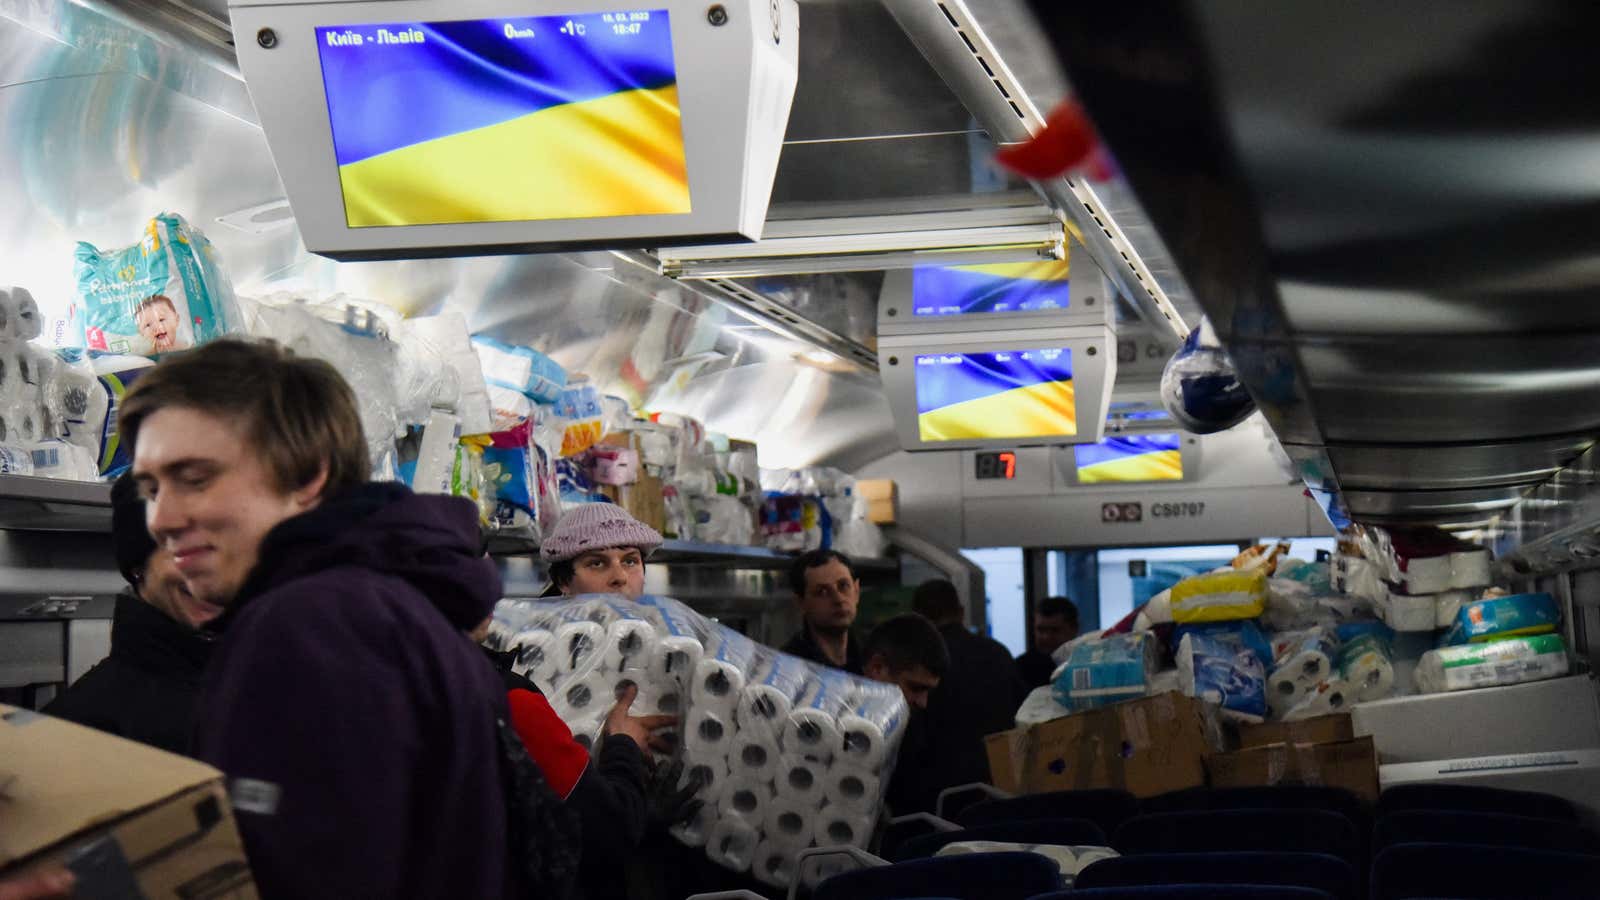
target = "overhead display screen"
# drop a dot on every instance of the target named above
(997, 288)
(505, 120)
(1128, 458)
(1004, 394)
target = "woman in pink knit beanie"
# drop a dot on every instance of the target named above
(598, 548)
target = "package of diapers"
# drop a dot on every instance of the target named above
(165, 293)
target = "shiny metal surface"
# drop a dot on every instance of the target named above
(1390, 215)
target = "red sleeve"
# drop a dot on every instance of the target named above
(548, 740)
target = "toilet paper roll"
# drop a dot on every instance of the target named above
(721, 676)
(19, 315)
(1447, 605)
(774, 864)
(801, 780)
(1470, 569)
(583, 697)
(790, 825)
(1302, 661)
(754, 754)
(731, 844)
(586, 731)
(813, 727)
(579, 646)
(817, 869)
(842, 828)
(24, 425)
(851, 789)
(710, 771)
(1329, 697)
(675, 659)
(694, 832)
(1408, 613)
(1367, 668)
(745, 799)
(630, 643)
(767, 700)
(708, 732)
(872, 727)
(534, 656)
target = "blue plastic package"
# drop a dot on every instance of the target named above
(1503, 617)
(1242, 631)
(165, 293)
(1110, 670)
(1221, 666)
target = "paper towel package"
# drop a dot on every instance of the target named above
(1510, 661)
(788, 755)
(1501, 617)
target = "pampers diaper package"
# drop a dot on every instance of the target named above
(165, 293)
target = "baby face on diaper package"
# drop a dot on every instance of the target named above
(162, 294)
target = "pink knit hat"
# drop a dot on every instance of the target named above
(597, 526)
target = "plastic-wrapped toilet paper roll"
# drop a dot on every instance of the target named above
(710, 771)
(1329, 697)
(745, 799)
(586, 731)
(720, 677)
(1407, 613)
(766, 701)
(731, 844)
(24, 425)
(852, 789)
(630, 643)
(801, 780)
(1302, 661)
(790, 824)
(679, 647)
(817, 869)
(535, 656)
(584, 697)
(1470, 569)
(578, 646)
(1366, 665)
(838, 827)
(813, 727)
(708, 732)
(872, 727)
(774, 864)
(694, 832)
(1447, 605)
(754, 754)
(19, 315)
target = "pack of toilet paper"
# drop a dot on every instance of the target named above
(788, 755)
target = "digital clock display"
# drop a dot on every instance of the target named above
(997, 465)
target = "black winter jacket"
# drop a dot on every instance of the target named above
(149, 686)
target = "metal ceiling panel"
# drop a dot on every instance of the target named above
(1388, 212)
(1524, 463)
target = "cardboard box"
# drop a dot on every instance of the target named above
(1147, 746)
(1352, 765)
(883, 499)
(1321, 730)
(643, 499)
(127, 819)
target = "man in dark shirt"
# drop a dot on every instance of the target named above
(909, 652)
(978, 696)
(1055, 621)
(827, 590)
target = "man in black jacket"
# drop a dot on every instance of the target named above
(1055, 621)
(978, 696)
(147, 689)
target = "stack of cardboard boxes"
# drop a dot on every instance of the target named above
(1171, 742)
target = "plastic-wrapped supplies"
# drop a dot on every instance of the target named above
(1500, 617)
(19, 315)
(1366, 665)
(165, 293)
(1219, 596)
(1221, 667)
(580, 406)
(1509, 661)
(789, 755)
(1040, 706)
(517, 378)
(1099, 673)
(1408, 612)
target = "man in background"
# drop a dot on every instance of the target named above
(828, 592)
(978, 696)
(1055, 621)
(908, 651)
(149, 686)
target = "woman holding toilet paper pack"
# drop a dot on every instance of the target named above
(598, 548)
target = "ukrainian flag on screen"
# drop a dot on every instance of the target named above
(1014, 394)
(1000, 287)
(1142, 457)
(504, 120)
